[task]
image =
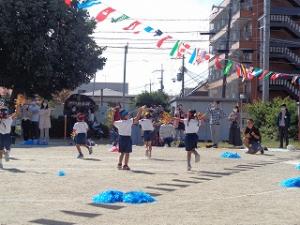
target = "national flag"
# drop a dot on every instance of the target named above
(175, 48)
(244, 70)
(120, 18)
(228, 67)
(132, 26)
(88, 3)
(161, 41)
(68, 2)
(268, 75)
(257, 72)
(218, 65)
(238, 70)
(193, 56)
(182, 48)
(294, 79)
(148, 29)
(263, 74)
(158, 33)
(275, 76)
(104, 14)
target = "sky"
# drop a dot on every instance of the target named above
(183, 20)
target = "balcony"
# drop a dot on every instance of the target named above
(286, 22)
(283, 52)
(291, 43)
(285, 85)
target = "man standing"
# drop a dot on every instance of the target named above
(283, 123)
(215, 114)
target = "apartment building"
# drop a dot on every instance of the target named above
(245, 45)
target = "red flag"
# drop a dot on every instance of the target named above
(218, 64)
(238, 70)
(182, 48)
(68, 2)
(275, 76)
(263, 75)
(161, 41)
(104, 14)
(207, 57)
(132, 26)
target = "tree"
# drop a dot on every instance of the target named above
(46, 46)
(150, 99)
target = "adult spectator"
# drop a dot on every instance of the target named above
(215, 114)
(252, 138)
(167, 133)
(44, 122)
(34, 109)
(25, 115)
(234, 131)
(179, 126)
(283, 123)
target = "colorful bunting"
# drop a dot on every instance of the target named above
(257, 72)
(88, 3)
(244, 71)
(104, 14)
(227, 69)
(218, 65)
(275, 76)
(120, 18)
(175, 48)
(294, 80)
(161, 41)
(182, 48)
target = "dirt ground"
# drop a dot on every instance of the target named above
(217, 191)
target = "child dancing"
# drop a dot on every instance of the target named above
(147, 127)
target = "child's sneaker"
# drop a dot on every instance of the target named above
(197, 158)
(90, 149)
(6, 156)
(119, 166)
(80, 156)
(125, 167)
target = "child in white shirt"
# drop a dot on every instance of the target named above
(6, 121)
(192, 125)
(147, 127)
(124, 127)
(80, 130)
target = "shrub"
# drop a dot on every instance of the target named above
(265, 116)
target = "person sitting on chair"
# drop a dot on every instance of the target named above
(252, 138)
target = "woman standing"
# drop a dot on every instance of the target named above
(44, 122)
(234, 131)
(283, 123)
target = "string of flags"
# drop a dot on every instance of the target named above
(250, 72)
(196, 55)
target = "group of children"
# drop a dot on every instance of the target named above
(124, 125)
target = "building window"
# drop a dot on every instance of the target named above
(246, 5)
(247, 31)
(247, 56)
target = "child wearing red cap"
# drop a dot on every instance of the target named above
(80, 130)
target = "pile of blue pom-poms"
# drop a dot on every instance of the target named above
(297, 167)
(291, 182)
(113, 196)
(230, 155)
(137, 197)
(61, 173)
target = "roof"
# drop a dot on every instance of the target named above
(107, 93)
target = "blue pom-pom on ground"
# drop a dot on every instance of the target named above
(61, 173)
(106, 197)
(230, 155)
(291, 182)
(297, 167)
(138, 197)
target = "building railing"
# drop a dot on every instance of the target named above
(288, 21)
(286, 84)
(287, 52)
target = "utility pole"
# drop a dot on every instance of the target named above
(227, 46)
(266, 48)
(161, 77)
(124, 74)
(183, 71)
(150, 87)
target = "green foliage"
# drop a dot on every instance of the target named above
(265, 116)
(46, 46)
(154, 98)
